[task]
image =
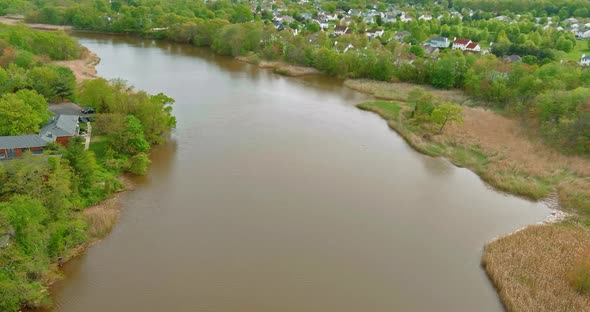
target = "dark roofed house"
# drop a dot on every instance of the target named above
(61, 129)
(16, 145)
(512, 58)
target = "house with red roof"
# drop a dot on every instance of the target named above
(466, 45)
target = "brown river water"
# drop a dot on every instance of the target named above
(277, 194)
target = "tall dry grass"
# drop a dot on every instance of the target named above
(102, 217)
(531, 268)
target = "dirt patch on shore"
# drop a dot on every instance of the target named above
(20, 21)
(83, 68)
(281, 68)
(531, 268)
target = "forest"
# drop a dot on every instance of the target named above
(43, 198)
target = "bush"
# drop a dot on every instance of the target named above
(138, 164)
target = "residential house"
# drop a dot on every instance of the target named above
(502, 18)
(288, 19)
(404, 18)
(512, 58)
(323, 24)
(349, 47)
(400, 35)
(389, 18)
(473, 47)
(306, 16)
(61, 129)
(582, 33)
(346, 20)
(439, 42)
(340, 30)
(460, 44)
(331, 16)
(430, 50)
(374, 33)
(368, 20)
(16, 145)
(279, 25)
(355, 12)
(585, 61)
(425, 17)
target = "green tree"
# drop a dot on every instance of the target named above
(131, 140)
(17, 117)
(445, 113)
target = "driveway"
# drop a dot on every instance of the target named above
(65, 109)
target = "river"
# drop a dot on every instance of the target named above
(277, 194)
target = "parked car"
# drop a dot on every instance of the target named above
(88, 110)
(83, 119)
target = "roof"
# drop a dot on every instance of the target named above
(372, 31)
(340, 28)
(461, 41)
(443, 39)
(472, 45)
(21, 141)
(512, 58)
(62, 126)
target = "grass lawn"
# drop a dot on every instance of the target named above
(99, 147)
(576, 53)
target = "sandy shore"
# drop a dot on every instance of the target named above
(20, 21)
(83, 68)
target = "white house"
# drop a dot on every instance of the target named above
(425, 17)
(323, 24)
(340, 30)
(473, 47)
(582, 34)
(585, 61)
(405, 18)
(374, 33)
(460, 44)
(466, 45)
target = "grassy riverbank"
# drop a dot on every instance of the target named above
(538, 268)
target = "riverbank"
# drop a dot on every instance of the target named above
(100, 219)
(83, 68)
(533, 268)
(20, 21)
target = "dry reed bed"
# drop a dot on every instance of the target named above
(530, 268)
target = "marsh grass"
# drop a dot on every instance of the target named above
(539, 268)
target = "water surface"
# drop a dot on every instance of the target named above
(277, 194)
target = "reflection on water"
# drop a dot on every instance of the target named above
(277, 194)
